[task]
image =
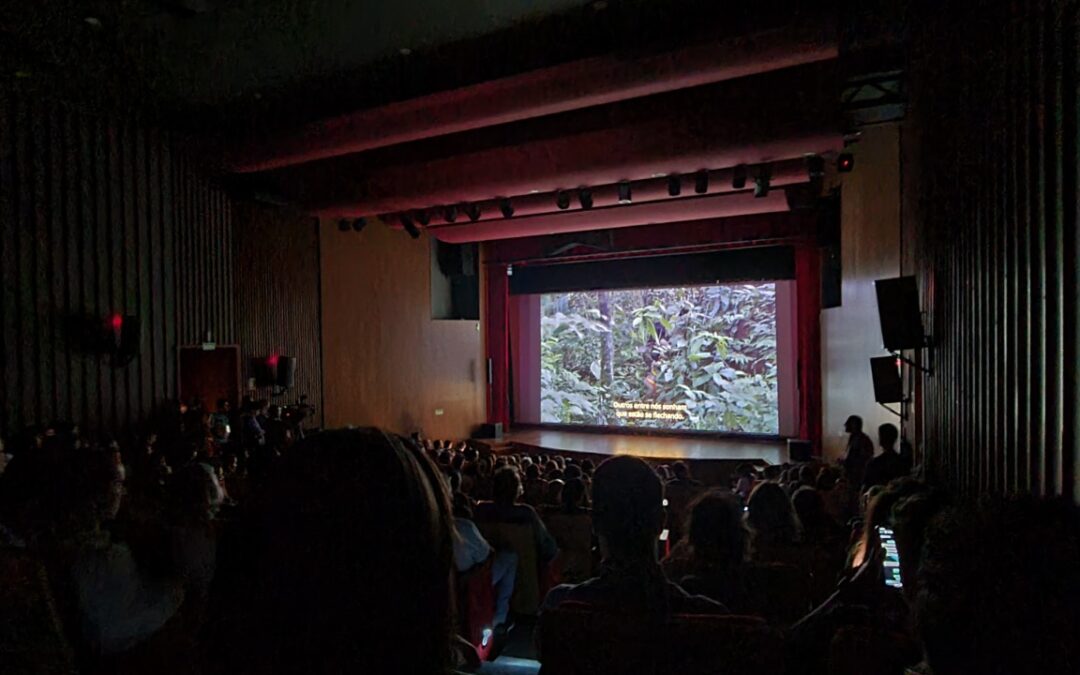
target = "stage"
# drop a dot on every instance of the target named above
(710, 458)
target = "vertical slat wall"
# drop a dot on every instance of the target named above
(278, 296)
(100, 216)
(994, 103)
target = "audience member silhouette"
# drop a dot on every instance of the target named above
(774, 525)
(860, 449)
(349, 564)
(888, 465)
(628, 515)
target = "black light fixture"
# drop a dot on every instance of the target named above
(473, 212)
(761, 181)
(815, 167)
(343, 225)
(584, 196)
(701, 182)
(562, 200)
(738, 177)
(506, 208)
(359, 223)
(423, 218)
(625, 195)
(410, 227)
(450, 213)
(674, 185)
(845, 162)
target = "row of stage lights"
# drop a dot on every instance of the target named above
(815, 165)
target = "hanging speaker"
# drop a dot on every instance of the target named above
(286, 372)
(898, 311)
(888, 387)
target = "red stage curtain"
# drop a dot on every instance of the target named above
(808, 293)
(497, 343)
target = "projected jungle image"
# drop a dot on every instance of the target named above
(699, 358)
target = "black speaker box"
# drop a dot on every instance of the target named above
(799, 450)
(831, 273)
(489, 431)
(898, 311)
(888, 387)
(286, 372)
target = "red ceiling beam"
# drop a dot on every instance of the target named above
(562, 88)
(612, 217)
(768, 118)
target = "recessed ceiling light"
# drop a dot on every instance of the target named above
(92, 21)
(405, 51)
(534, 192)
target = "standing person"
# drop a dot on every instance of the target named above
(888, 465)
(860, 450)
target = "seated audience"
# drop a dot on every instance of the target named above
(348, 566)
(774, 526)
(534, 486)
(471, 549)
(745, 480)
(999, 589)
(715, 550)
(627, 518)
(506, 509)
(888, 465)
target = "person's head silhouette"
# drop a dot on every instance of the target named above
(628, 511)
(853, 424)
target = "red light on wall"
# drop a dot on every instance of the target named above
(272, 360)
(845, 162)
(117, 322)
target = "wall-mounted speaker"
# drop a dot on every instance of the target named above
(898, 311)
(286, 372)
(832, 291)
(888, 387)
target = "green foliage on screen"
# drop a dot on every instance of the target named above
(711, 349)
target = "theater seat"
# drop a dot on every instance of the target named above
(859, 650)
(476, 606)
(573, 534)
(521, 540)
(31, 634)
(779, 593)
(578, 640)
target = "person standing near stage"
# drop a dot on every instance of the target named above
(860, 450)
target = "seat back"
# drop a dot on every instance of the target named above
(860, 650)
(32, 637)
(520, 539)
(476, 606)
(576, 639)
(779, 593)
(573, 534)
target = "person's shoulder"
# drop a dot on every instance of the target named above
(567, 593)
(687, 603)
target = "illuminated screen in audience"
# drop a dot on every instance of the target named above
(690, 358)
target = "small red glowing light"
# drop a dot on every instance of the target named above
(117, 322)
(898, 364)
(272, 360)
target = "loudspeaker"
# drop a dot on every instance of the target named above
(799, 450)
(264, 371)
(888, 387)
(898, 311)
(286, 372)
(492, 431)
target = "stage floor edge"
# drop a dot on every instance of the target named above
(691, 448)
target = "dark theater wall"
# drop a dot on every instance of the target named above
(100, 216)
(992, 194)
(277, 294)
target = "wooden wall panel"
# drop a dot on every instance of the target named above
(100, 216)
(994, 201)
(278, 296)
(386, 362)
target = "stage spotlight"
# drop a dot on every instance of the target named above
(359, 224)
(410, 227)
(473, 212)
(815, 167)
(343, 225)
(423, 218)
(584, 196)
(738, 177)
(625, 196)
(507, 208)
(845, 163)
(761, 182)
(562, 200)
(450, 214)
(701, 182)
(674, 185)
